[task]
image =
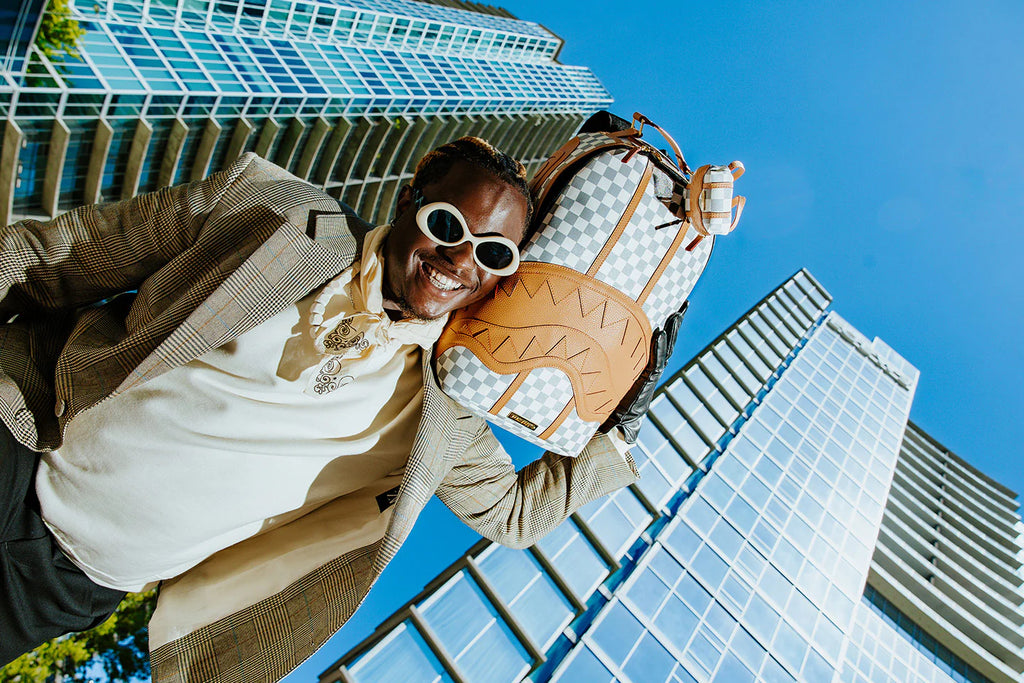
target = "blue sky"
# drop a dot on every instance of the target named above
(884, 153)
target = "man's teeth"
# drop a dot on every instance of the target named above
(441, 281)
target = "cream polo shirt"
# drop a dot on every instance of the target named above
(153, 481)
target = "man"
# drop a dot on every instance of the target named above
(230, 390)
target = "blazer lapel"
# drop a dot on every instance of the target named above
(440, 438)
(289, 265)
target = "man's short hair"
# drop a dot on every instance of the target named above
(435, 164)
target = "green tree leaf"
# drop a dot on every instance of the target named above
(120, 646)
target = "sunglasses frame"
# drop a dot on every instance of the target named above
(422, 216)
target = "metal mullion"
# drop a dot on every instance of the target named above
(389, 68)
(604, 658)
(558, 579)
(718, 385)
(50, 70)
(809, 296)
(646, 502)
(329, 62)
(359, 51)
(351, 40)
(146, 103)
(658, 466)
(280, 59)
(62, 104)
(389, 39)
(744, 360)
(789, 318)
(780, 351)
(371, 34)
(216, 105)
(199, 62)
(302, 57)
(704, 399)
(780, 330)
(287, 21)
(87, 58)
(434, 643)
(345, 676)
(597, 543)
(798, 306)
(163, 60)
(312, 22)
(334, 23)
(727, 366)
(256, 61)
(690, 421)
(773, 305)
(514, 624)
(222, 51)
(760, 354)
(237, 25)
(672, 440)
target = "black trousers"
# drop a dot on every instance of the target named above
(42, 593)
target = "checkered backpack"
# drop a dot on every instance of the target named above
(624, 233)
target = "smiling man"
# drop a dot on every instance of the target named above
(226, 387)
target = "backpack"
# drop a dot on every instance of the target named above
(622, 235)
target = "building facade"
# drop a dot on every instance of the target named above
(790, 525)
(347, 94)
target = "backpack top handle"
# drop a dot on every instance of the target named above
(643, 120)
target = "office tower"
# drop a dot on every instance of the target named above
(790, 525)
(347, 94)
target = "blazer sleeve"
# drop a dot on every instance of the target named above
(518, 508)
(97, 251)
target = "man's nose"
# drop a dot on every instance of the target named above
(461, 255)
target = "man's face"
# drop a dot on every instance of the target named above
(426, 279)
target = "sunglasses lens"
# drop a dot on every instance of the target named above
(444, 226)
(494, 255)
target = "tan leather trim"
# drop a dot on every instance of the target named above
(547, 315)
(558, 421)
(665, 260)
(680, 161)
(553, 162)
(509, 393)
(694, 212)
(540, 193)
(620, 227)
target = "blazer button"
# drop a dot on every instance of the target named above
(58, 409)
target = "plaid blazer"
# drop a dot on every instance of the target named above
(105, 297)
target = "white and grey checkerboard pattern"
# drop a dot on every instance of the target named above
(541, 397)
(570, 439)
(573, 435)
(587, 143)
(678, 280)
(586, 212)
(468, 381)
(635, 257)
(717, 200)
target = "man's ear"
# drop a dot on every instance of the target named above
(404, 200)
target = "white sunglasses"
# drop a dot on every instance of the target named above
(443, 223)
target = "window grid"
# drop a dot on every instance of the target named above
(885, 645)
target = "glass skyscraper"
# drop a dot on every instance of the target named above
(347, 94)
(790, 525)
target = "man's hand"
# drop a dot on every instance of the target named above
(631, 411)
